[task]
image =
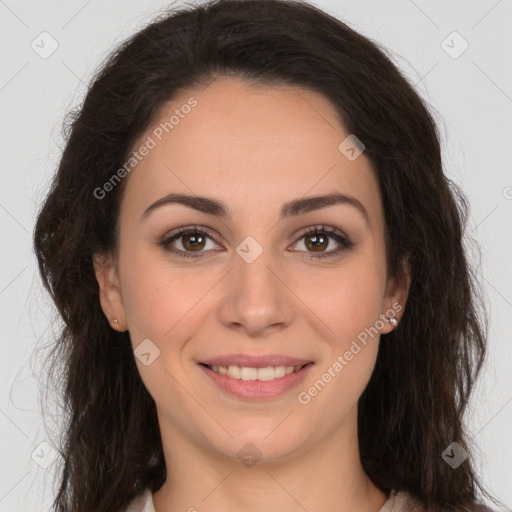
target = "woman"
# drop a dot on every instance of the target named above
(259, 262)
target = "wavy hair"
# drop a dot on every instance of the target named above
(414, 403)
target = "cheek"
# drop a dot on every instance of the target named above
(348, 358)
(158, 297)
(161, 304)
(348, 301)
(350, 305)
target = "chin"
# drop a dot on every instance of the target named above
(260, 445)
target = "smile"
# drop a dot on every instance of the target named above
(263, 374)
(251, 383)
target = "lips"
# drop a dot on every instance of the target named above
(252, 361)
(257, 389)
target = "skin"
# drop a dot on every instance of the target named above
(253, 148)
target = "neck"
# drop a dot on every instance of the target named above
(327, 476)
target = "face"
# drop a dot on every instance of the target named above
(269, 283)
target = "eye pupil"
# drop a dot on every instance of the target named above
(316, 238)
(194, 244)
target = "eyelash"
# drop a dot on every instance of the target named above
(344, 242)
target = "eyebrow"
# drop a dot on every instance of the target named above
(217, 208)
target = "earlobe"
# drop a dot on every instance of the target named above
(110, 295)
(398, 292)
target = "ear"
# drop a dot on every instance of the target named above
(110, 291)
(397, 292)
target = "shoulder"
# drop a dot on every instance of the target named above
(402, 501)
(398, 501)
(142, 503)
(479, 507)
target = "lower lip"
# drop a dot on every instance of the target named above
(257, 389)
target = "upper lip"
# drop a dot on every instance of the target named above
(251, 361)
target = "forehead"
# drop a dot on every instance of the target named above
(246, 145)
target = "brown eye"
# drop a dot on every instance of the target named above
(192, 240)
(317, 240)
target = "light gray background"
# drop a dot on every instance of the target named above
(472, 95)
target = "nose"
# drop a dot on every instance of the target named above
(256, 299)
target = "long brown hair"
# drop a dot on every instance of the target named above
(413, 406)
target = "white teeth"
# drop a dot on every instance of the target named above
(263, 374)
(279, 371)
(248, 373)
(267, 373)
(234, 372)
